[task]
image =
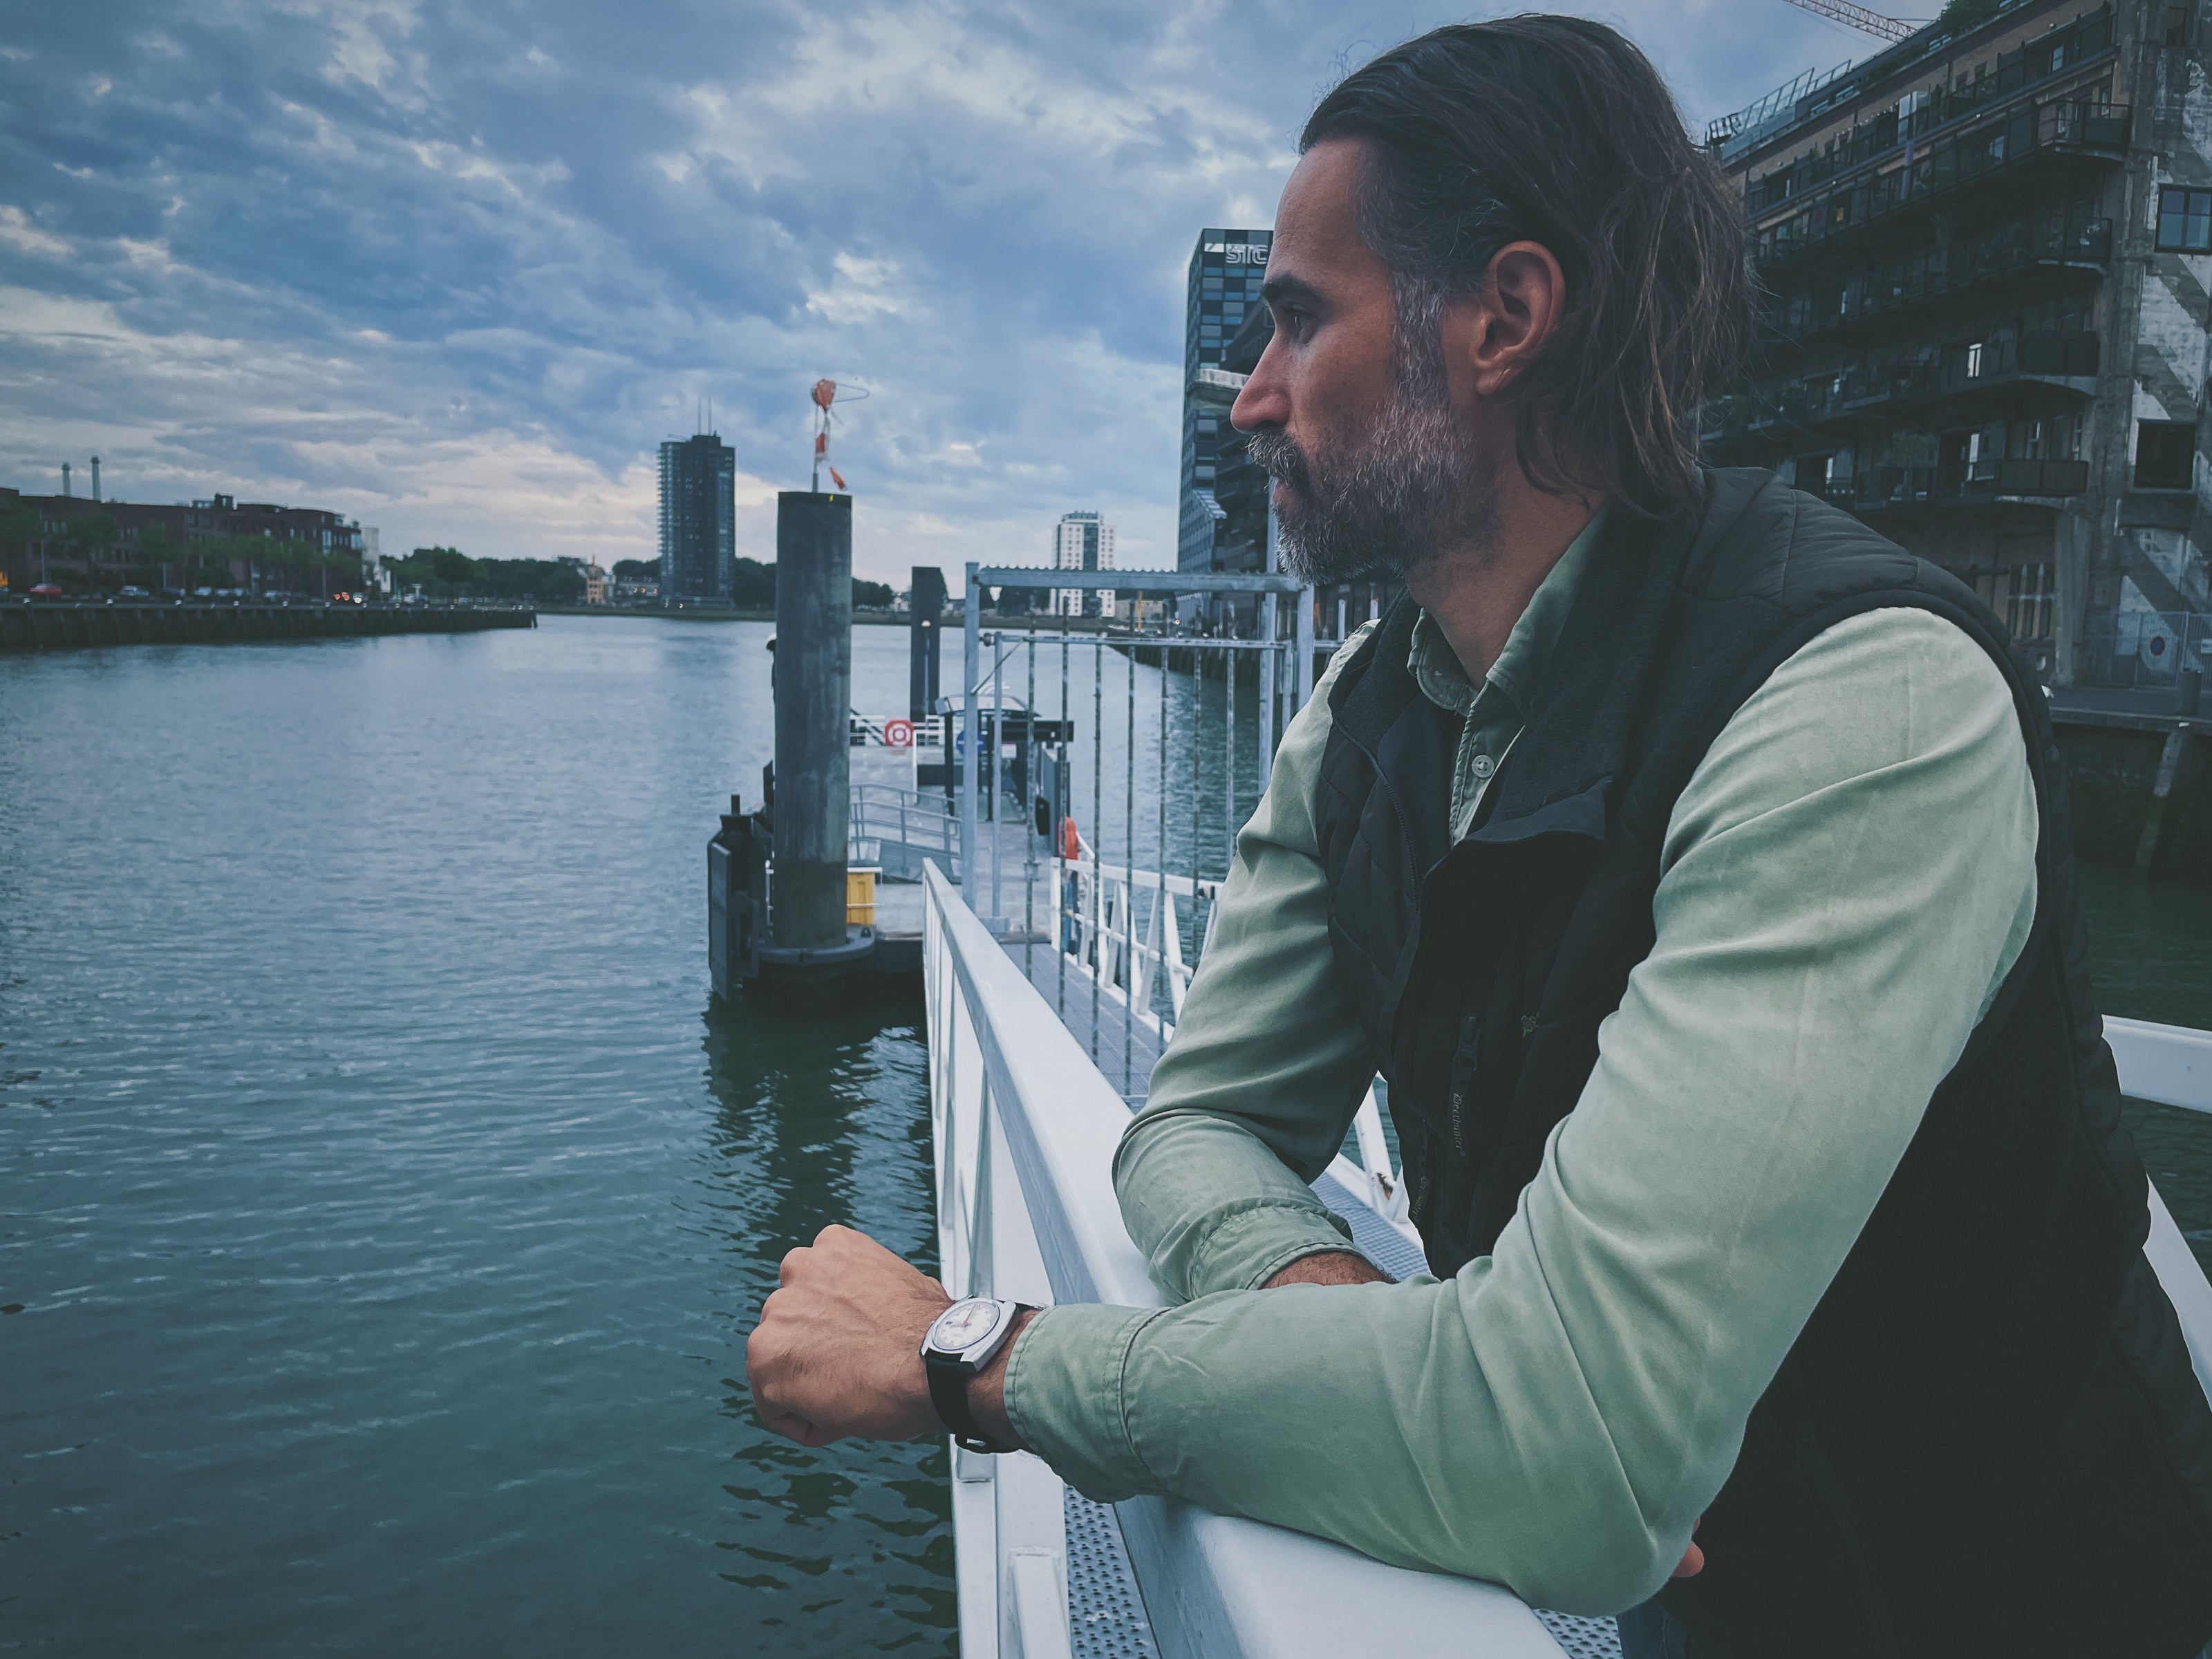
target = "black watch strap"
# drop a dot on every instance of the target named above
(948, 1392)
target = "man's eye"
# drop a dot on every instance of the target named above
(1297, 322)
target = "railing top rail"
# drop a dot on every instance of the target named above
(2169, 1064)
(1134, 581)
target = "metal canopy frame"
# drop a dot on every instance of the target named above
(1167, 584)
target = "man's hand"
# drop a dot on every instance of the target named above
(838, 1348)
(1329, 1268)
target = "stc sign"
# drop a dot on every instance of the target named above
(1240, 254)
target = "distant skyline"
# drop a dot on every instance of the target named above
(457, 271)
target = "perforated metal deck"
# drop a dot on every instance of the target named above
(1584, 1638)
(1105, 1614)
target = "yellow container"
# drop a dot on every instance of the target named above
(861, 896)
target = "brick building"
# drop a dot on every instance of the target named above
(1986, 252)
(256, 545)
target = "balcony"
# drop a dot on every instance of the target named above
(1969, 483)
(2045, 252)
(1966, 380)
(1955, 383)
(1854, 216)
(1875, 143)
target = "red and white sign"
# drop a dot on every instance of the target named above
(898, 733)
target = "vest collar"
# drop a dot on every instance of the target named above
(1583, 706)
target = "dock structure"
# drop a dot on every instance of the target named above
(61, 625)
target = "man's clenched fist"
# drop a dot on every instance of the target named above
(838, 1348)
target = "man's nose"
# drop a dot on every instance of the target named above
(1264, 400)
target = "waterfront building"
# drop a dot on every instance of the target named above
(595, 584)
(1985, 251)
(698, 521)
(1082, 541)
(1222, 518)
(102, 545)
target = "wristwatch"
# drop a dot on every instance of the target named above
(960, 1342)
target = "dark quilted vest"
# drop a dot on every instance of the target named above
(1988, 1438)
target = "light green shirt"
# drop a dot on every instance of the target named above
(1846, 880)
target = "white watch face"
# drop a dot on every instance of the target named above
(963, 1324)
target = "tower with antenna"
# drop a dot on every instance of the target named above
(698, 517)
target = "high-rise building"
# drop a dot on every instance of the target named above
(698, 521)
(1082, 541)
(1986, 251)
(1223, 521)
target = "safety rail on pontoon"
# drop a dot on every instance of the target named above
(1025, 1129)
(1025, 1133)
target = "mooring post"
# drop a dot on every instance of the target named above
(813, 707)
(926, 644)
(2178, 765)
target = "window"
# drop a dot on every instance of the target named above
(2028, 616)
(2166, 454)
(2185, 220)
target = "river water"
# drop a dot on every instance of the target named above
(385, 1204)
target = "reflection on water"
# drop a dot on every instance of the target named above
(816, 1122)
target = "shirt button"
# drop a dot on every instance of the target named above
(1484, 766)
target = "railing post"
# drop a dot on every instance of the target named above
(971, 659)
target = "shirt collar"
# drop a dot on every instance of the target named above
(1436, 671)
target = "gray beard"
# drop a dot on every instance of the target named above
(1407, 494)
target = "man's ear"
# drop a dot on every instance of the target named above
(1504, 325)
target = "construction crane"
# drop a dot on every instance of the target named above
(1892, 29)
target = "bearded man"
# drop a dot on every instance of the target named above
(1694, 865)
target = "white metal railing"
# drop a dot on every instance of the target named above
(2171, 1065)
(1122, 929)
(1025, 1130)
(883, 815)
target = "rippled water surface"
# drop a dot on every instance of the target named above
(383, 1205)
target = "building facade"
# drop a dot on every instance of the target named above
(698, 521)
(91, 546)
(1985, 254)
(1082, 541)
(1222, 521)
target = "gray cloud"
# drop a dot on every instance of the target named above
(456, 270)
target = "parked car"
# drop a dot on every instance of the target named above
(132, 592)
(47, 591)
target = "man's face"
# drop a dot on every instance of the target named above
(1350, 409)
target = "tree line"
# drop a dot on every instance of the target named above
(754, 588)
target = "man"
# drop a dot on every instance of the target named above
(1694, 865)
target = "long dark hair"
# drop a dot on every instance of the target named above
(1557, 131)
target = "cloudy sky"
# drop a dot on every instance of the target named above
(455, 269)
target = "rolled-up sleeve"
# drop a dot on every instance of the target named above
(1847, 879)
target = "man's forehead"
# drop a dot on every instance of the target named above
(1317, 220)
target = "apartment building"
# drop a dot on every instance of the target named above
(1985, 254)
(1082, 541)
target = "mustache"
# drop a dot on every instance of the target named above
(1274, 451)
